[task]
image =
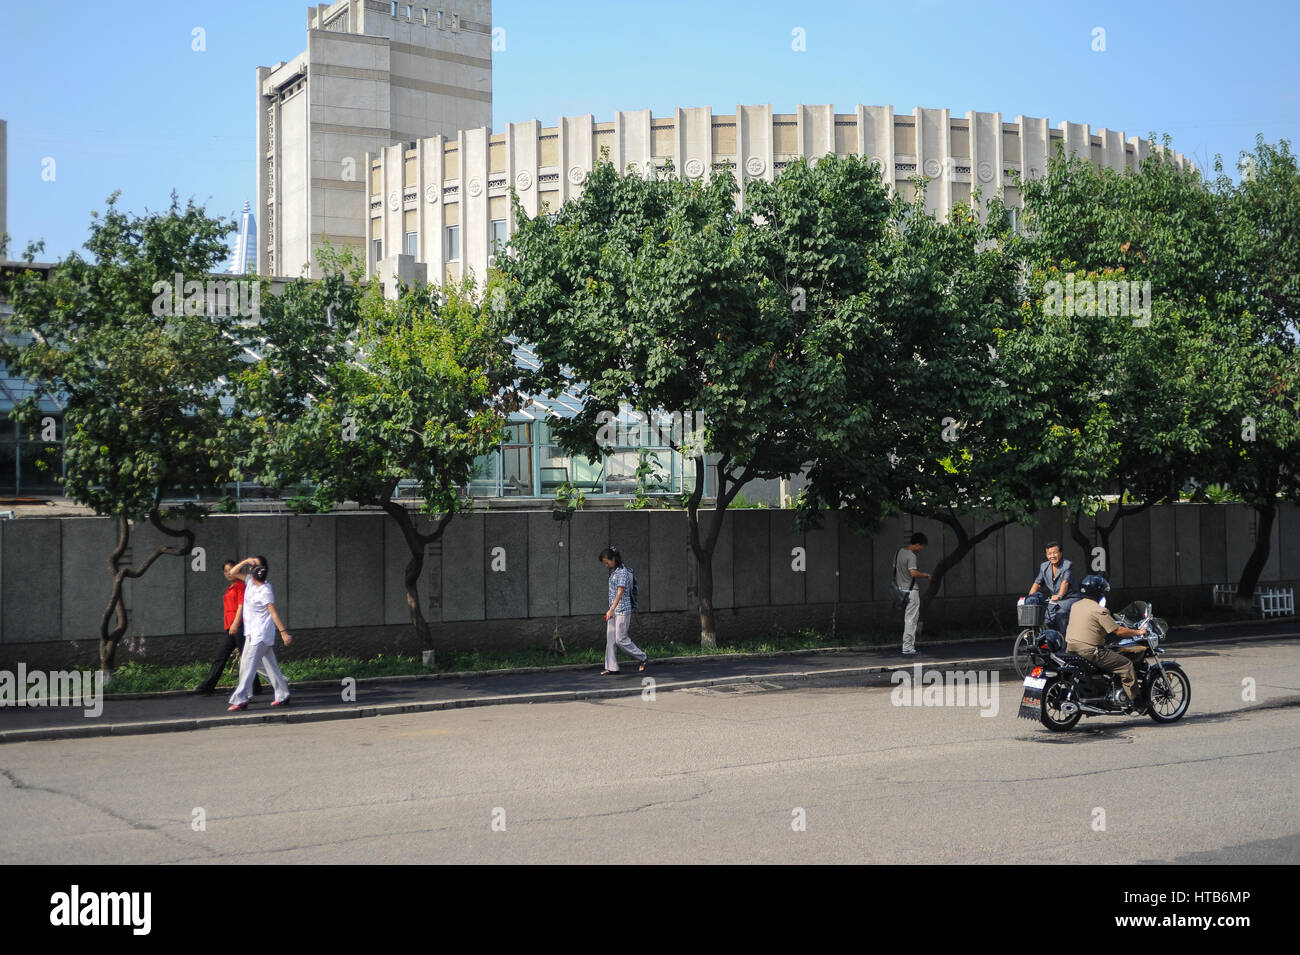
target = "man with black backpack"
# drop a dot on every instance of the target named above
(905, 577)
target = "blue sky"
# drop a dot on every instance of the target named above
(114, 94)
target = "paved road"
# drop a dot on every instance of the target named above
(719, 774)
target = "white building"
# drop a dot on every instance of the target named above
(244, 261)
(373, 73)
(438, 207)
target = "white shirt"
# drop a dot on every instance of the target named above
(258, 625)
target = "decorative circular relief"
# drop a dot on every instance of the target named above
(475, 186)
(394, 201)
(694, 168)
(985, 170)
(524, 181)
(755, 166)
(878, 161)
(932, 167)
(577, 175)
(431, 194)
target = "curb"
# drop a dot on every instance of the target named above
(549, 696)
(660, 661)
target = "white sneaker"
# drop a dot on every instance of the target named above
(908, 653)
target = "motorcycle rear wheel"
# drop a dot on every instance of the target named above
(1169, 697)
(1020, 657)
(1050, 714)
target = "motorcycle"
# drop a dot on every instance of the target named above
(1062, 688)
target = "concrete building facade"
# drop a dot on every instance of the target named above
(373, 74)
(441, 205)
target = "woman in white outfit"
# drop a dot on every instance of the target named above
(619, 614)
(261, 623)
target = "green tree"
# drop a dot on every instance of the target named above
(356, 394)
(660, 295)
(1123, 268)
(142, 376)
(1247, 350)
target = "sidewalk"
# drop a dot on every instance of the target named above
(381, 696)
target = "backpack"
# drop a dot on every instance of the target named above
(634, 598)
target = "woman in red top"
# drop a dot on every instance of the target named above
(231, 602)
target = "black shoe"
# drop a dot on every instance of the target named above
(1138, 708)
(201, 691)
(257, 689)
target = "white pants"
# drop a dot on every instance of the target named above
(256, 654)
(911, 617)
(616, 636)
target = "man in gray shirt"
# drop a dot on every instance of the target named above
(906, 576)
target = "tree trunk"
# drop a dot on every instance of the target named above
(109, 639)
(703, 547)
(1267, 514)
(415, 544)
(708, 628)
(965, 544)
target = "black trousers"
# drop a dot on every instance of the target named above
(228, 646)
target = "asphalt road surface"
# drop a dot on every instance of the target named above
(750, 773)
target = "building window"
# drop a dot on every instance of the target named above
(412, 243)
(498, 236)
(394, 8)
(453, 243)
(378, 246)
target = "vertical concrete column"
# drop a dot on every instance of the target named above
(1112, 149)
(522, 162)
(1034, 146)
(474, 202)
(816, 131)
(576, 133)
(753, 145)
(985, 155)
(1078, 139)
(876, 138)
(694, 142)
(933, 156)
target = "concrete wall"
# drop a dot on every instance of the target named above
(501, 579)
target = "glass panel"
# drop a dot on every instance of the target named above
(483, 477)
(516, 470)
(33, 478)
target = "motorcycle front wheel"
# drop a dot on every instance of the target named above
(1169, 696)
(1020, 652)
(1051, 715)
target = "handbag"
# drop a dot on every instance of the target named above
(898, 597)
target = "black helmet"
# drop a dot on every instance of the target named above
(1094, 585)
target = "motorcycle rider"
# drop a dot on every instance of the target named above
(1056, 578)
(1090, 624)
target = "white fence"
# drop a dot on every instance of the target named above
(1269, 601)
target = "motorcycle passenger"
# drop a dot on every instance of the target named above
(1056, 578)
(1090, 624)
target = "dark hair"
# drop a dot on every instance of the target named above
(1051, 544)
(229, 563)
(613, 554)
(263, 570)
(919, 538)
